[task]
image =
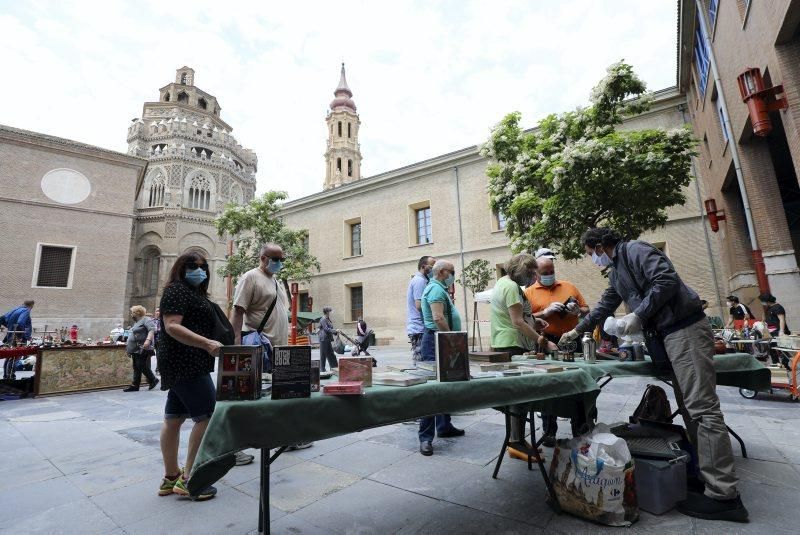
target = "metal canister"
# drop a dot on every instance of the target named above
(589, 348)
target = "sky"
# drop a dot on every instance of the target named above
(428, 77)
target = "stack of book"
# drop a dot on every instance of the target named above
(397, 379)
(343, 388)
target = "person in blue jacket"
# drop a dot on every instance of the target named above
(17, 319)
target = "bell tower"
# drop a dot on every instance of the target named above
(343, 153)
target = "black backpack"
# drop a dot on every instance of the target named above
(654, 406)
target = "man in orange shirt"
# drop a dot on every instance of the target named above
(550, 301)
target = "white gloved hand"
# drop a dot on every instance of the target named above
(568, 337)
(629, 325)
(554, 308)
(574, 308)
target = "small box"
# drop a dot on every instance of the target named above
(660, 485)
(356, 369)
(239, 373)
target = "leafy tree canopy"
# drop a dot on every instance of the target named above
(257, 223)
(576, 170)
(476, 275)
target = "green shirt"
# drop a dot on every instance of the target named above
(435, 292)
(506, 293)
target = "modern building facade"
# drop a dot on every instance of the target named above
(741, 171)
(368, 234)
(196, 168)
(68, 217)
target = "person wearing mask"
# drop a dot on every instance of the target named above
(15, 320)
(415, 327)
(438, 314)
(511, 333)
(560, 304)
(741, 314)
(186, 358)
(326, 334)
(645, 279)
(140, 348)
(261, 312)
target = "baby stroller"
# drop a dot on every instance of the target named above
(360, 344)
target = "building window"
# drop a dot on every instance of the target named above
(713, 7)
(303, 302)
(340, 128)
(721, 117)
(701, 57)
(150, 262)
(305, 243)
(54, 266)
(355, 239)
(156, 191)
(200, 193)
(349, 131)
(356, 302)
(183, 78)
(339, 165)
(423, 220)
(349, 167)
(166, 97)
(202, 103)
(499, 221)
(182, 96)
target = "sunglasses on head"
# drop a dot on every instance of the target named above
(195, 265)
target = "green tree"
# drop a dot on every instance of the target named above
(576, 170)
(257, 223)
(476, 276)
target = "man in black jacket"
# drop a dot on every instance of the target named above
(658, 299)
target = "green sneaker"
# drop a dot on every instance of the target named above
(181, 489)
(167, 485)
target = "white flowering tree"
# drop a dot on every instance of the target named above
(576, 170)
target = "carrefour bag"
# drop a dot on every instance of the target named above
(593, 478)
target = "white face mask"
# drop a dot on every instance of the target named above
(601, 260)
(729, 304)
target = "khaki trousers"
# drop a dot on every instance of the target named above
(691, 352)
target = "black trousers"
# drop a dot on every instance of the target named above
(326, 354)
(141, 365)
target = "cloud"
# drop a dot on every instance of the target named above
(428, 77)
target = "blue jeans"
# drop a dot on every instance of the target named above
(439, 423)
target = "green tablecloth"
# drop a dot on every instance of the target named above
(236, 425)
(741, 370)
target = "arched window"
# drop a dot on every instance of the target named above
(183, 78)
(166, 97)
(339, 164)
(156, 197)
(182, 96)
(150, 262)
(349, 130)
(200, 193)
(349, 167)
(340, 128)
(202, 103)
(236, 194)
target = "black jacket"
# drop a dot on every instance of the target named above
(666, 302)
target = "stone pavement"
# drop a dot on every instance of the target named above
(90, 463)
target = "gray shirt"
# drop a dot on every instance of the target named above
(139, 332)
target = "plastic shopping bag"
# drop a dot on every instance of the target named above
(593, 478)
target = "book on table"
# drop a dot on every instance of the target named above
(397, 379)
(343, 388)
(452, 356)
(291, 373)
(356, 369)
(239, 373)
(315, 376)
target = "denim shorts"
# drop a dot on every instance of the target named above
(192, 398)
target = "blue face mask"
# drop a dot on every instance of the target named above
(449, 280)
(547, 280)
(429, 275)
(195, 277)
(601, 260)
(274, 266)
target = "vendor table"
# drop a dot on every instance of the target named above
(269, 424)
(740, 370)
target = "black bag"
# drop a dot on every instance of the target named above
(654, 406)
(652, 338)
(338, 345)
(223, 330)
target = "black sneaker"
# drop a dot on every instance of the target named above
(701, 506)
(131, 389)
(152, 386)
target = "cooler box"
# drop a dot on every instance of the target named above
(660, 485)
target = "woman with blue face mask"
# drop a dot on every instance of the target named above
(186, 357)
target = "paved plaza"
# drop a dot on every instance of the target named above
(90, 463)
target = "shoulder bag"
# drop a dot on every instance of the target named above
(653, 339)
(223, 330)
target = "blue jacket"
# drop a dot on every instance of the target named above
(21, 318)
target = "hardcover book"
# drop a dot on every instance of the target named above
(397, 379)
(239, 373)
(356, 369)
(452, 360)
(343, 388)
(291, 372)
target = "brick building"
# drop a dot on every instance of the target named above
(368, 233)
(68, 213)
(736, 36)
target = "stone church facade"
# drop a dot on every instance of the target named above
(195, 168)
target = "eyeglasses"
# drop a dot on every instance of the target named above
(195, 265)
(278, 258)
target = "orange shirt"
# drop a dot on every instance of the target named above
(540, 298)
